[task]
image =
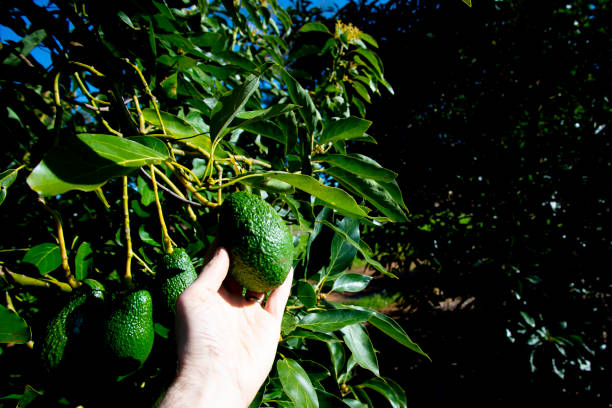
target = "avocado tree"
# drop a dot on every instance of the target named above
(120, 151)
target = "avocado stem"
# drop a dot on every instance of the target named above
(166, 237)
(126, 228)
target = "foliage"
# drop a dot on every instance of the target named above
(508, 150)
(123, 147)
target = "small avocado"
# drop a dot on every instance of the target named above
(174, 274)
(73, 327)
(258, 241)
(128, 331)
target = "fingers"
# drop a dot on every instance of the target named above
(278, 298)
(214, 272)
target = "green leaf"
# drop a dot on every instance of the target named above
(358, 165)
(369, 39)
(301, 97)
(253, 116)
(170, 85)
(88, 161)
(314, 26)
(351, 282)
(331, 320)
(344, 129)
(83, 261)
(46, 257)
(174, 125)
(230, 104)
(358, 341)
(388, 326)
(371, 191)
(7, 178)
(146, 237)
(362, 251)
(296, 383)
(337, 356)
(301, 210)
(152, 143)
(124, 17)
(333, 197)
(306, 294)
(342, 253)
(266, 129)
(388, 389)
(26, 45)
(468, 2)
(353, 403)
(305, 334)
(13, 329)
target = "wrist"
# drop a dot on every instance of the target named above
(209, 391)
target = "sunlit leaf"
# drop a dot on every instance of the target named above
(331, 320)
(358, 341)
(358, 165)
(230, 105)
(7, 178)
(388, 389)
(351, 282)
(301, 97)
(314, 26)
(344, 129)
(296, 383)
(46, 257)
(83, 261)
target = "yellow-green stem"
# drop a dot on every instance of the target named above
(126, 228)
(84, 89)
(166, 236)
(148, 90)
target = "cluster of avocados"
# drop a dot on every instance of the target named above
(122, 324)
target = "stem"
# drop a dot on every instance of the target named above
(196, 194)
(144, 265)
(141, 121)
(87, 67)
(166, 236)
(84, 89)
(62, 244)
(24, 280)
(148, 90)
(178, 194)
(128, 238)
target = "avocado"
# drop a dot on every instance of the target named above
(258, 241)
(174, 274)
(73, 327)
(128, 331)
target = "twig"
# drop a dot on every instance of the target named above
(166, 189)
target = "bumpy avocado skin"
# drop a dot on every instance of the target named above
(258, 241)
(72, 329)
(174, 274)
(128, 331)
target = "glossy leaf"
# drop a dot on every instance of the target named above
(301, 210)
(351, 282)
(301, 97)
(83, 261)
(388, 389)
(13, 329)
(230, 104)
(7, 178)
(174, 125)
(388, 326)
(371, 191)
(306, 334)
(358, 341)
(331, 320)
(334, 197)
(337, 356)
(296, 383)
(358, 165)
(342, 253)
(344, 129)
(314, 26)
(306, 294)
(46, 257)
(248, 117)
(27, 44)
(361, 250)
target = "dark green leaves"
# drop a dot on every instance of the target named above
(351, 282)
(358, 341)
(358, 165)
(229, 105)
(344, 129)
(88, 161)
(296, 383)
(388, 389)
(301, 97)
(330, 320)
(314, 26)
(46, 257)
(83, 261)
(13, 329)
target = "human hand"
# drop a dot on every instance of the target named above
(226, 342)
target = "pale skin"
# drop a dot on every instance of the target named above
(226, 342)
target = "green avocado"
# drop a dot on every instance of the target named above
(258, 241)
(128, 331)
(174, 274)
(73, 328)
